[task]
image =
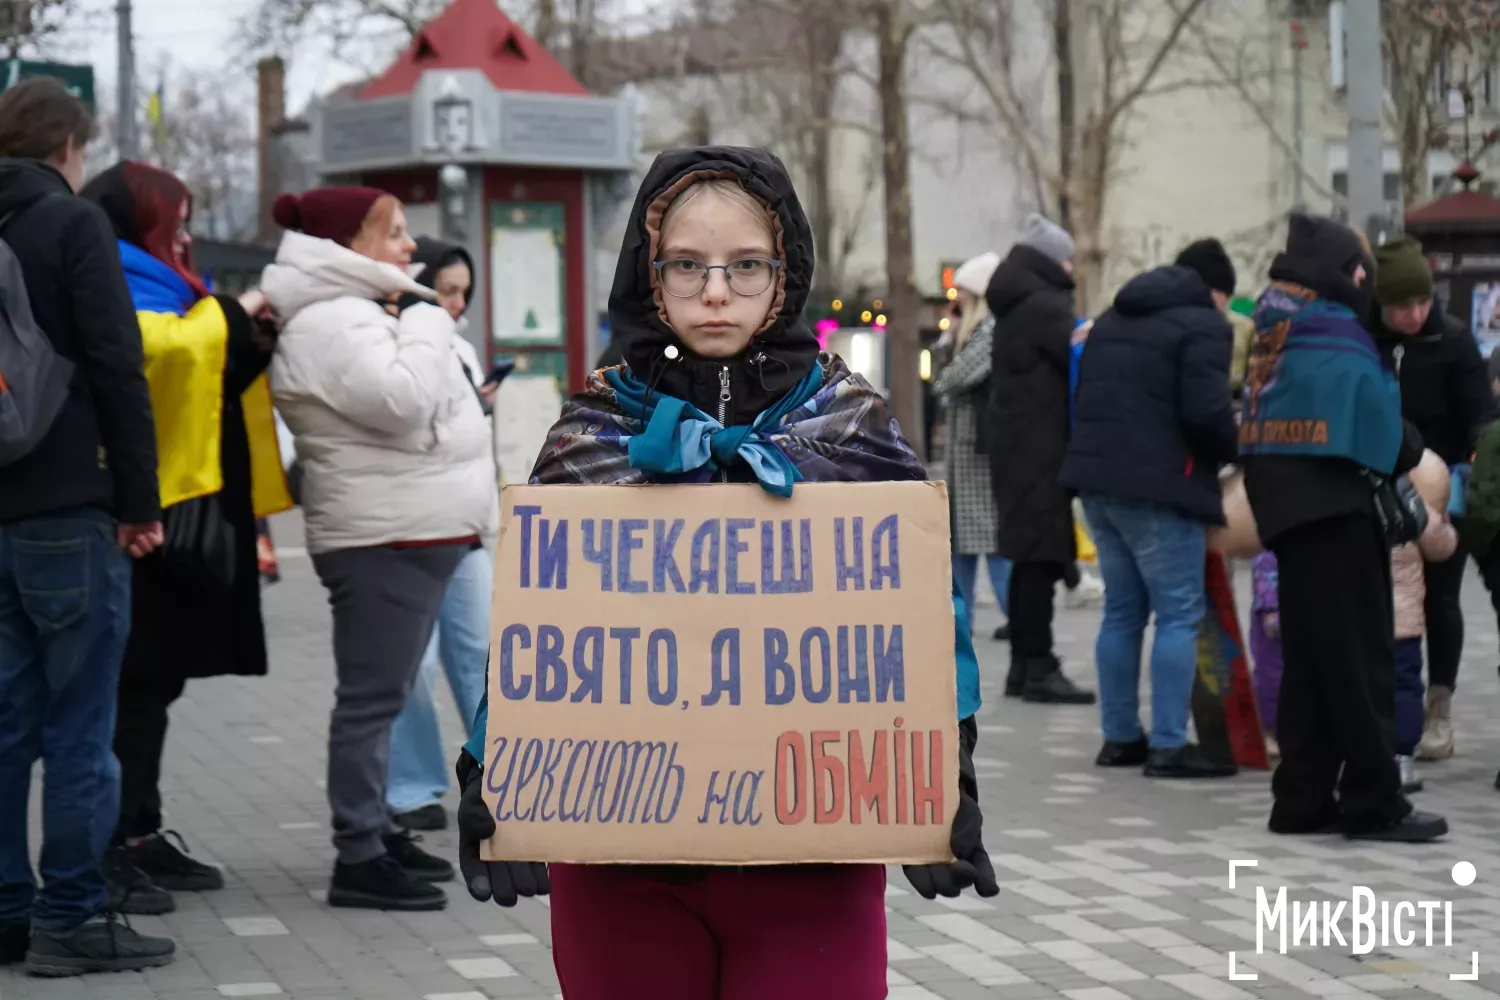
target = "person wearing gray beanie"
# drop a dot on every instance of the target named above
(1026, 424)
(1047, 236)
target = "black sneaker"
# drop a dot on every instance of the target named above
(382, 884)
(103, 944)
(14, 940)
(1002, 634)
(131, 890)
(417, 863)
(1414, 828)
(429, 817)
(1328, 819)
(168, 865)
(1187, 761)
(1055, 689)
(1131, 754)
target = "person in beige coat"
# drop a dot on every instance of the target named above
(1409, 586)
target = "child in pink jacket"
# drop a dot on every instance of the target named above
(1408, 580)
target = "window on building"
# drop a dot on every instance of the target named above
(1391, 186)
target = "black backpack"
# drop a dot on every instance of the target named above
(33, 376)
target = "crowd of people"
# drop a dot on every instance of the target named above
(129, 548)
(128, 527)
(1348, 435)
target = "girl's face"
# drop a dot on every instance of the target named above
(182, 240)
(452, 287)
(718, 319)
(391, 244)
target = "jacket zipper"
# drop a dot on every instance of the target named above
(1397, 355)
(724, 397)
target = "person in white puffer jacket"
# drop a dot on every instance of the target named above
(397, 487)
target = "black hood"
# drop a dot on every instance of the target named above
(23, 182)
(1023, 272)
(1163, 288)
(1322, 254)
(434, 255)
(776, 359)
(108, 190)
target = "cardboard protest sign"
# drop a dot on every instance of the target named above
(714, 675)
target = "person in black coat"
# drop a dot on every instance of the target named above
(1314, 506)
(196, 609)
(1031, 297)
(84, 493)
(1445, 392)
(1152, 426)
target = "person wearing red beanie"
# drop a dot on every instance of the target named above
(336, 213)
(398, 488)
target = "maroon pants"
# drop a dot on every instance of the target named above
(792, 933)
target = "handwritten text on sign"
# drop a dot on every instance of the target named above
(711, 674)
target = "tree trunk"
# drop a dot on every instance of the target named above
(1062, 47)
(819, 168)
(902, 305)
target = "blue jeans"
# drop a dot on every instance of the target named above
(966, 569)
(1151, 559)
(64, 620)
(420, 763)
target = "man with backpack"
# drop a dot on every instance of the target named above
(78, 491)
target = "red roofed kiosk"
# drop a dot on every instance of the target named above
(1460, 235)
(493, 145)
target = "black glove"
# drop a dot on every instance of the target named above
(972, 862)
(502, 881)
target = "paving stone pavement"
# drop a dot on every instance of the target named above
(1113, 887)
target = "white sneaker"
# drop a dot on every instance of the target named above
(1437, 732)
(1273, 749)
(1089, 592)
(1411, 781)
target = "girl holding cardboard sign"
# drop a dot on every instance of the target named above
(708, 296)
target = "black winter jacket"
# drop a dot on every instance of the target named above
(1032, 299)
(1152, 419)
(1445, 387)
(101, 451)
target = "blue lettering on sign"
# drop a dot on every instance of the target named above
(705, 575)
(742, 810)
(552, 567)
(588, 664)
(525, 513)
(630, 542)
(816, 691)
(725, 669)
(781, 680)
(510, 688)
(661, 692)
(605, 781)
(551, 670)
(733, 549)
(600, 552)
(849, 569)
(664, 556)
(627, 638)
(885, 565)
(890, 666)
(798, 581)
(854, 678)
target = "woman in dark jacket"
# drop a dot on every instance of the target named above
(1031, 297)
(1322, 420)
(719, 324)
(195, 611)
(1445, 392)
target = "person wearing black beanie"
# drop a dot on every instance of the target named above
(1322, 431)
(1153, 424)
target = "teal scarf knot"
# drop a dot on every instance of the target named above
(680, 438)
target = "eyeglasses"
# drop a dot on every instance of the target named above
(683, 278)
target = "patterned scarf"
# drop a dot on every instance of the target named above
(681, 438)
(1316, 385)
